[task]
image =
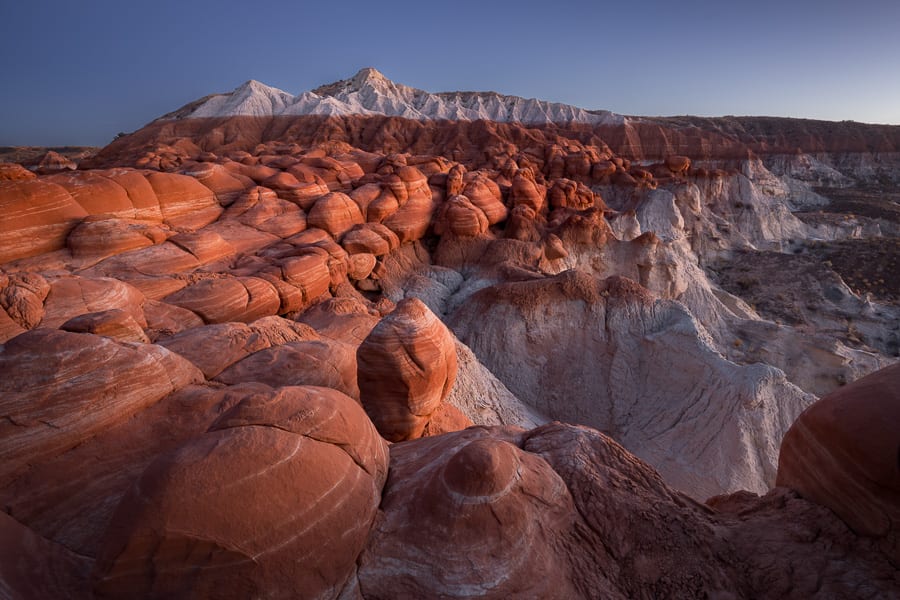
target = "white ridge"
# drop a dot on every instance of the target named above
(371, 93)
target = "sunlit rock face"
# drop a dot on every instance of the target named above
(373, 342)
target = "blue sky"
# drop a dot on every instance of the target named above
(79, 72)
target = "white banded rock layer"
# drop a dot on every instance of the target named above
(607, 355)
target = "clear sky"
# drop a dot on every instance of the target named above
(78, 72)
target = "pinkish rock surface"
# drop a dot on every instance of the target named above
(224, 511)
(60, 388)
(843, 452)
(407, 366)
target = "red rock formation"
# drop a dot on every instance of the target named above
(407, 366)
(213, 348)
(497, 511)
(15, 172)
(113, 323)
(37, 217)
(678, 164)
(73, 296)
(460, 217)
(526, 192)
(344, 319)
(335, 213)
(22, 299)
(844, 452)
(184, 202)
(485, 194)
(565, 193)
(224, 511)
(32, 567)
(320, 362)
(263, 210)
(95, 382)
(228, 299)
(372, 238)
(226, 186)
(53, 162)
(97, 237)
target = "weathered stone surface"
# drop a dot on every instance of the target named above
(335, 213)
(22, 300)
(213, 348)
(114, 323)
(460, 217)
(843, 452)
(485, 194)
(320, 362)
(72, 296)
(226, 299)
(32, 567)
(226, 186)
(96, 238)
(60, 388)
(37, 218)
(371, 238)
(407, 366)
(225, 512)
(497, 514)
(185, 202)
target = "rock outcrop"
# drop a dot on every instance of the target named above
(843, 452)
(224, 513)
(407, 366)
(60, 388)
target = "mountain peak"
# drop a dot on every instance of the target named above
(369, 74)
(368, 77)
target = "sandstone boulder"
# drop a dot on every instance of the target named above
(37, 217)
(485, 194)
(72, 296)
(335, 213)
(185, 202)
(60, 388)
(497, 513)
(96, 238)
(219, 300)
(678, 164)
(114, 323)
(842, 452)
(224, 514)
(320, 362)
(407, 366)
(370, 238)
(214, 348)
(15, 172)
(526, 192)
(460, 217)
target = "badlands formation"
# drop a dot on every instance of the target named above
(374, 342)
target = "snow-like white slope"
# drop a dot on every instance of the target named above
(371, 93)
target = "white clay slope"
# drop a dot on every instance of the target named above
(371, 93)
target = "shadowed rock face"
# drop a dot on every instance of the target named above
(565, 512)
(246, 358)
(493, 514)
